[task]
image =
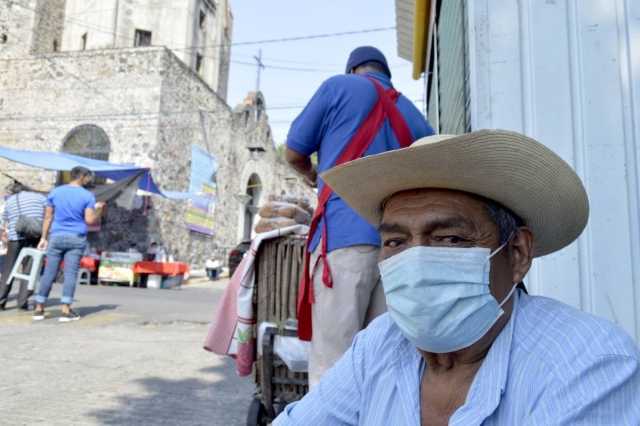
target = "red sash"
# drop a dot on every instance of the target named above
(385, 107)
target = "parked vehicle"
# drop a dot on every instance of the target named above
(237, 254)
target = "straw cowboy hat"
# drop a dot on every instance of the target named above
(512, 169)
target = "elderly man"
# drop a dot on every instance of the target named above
(460, 219)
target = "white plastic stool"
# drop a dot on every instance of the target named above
(33, 276)
(84, 276)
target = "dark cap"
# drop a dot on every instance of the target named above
(363, 54)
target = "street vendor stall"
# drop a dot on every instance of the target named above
(256, 320)
(117, 267)
(162, 275)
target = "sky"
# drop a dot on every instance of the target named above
(287, 91)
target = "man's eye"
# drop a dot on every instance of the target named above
(392, 243)
(452, 239)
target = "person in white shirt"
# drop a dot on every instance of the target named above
(213, 268)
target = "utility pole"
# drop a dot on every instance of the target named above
(260, 66)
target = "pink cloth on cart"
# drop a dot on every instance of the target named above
(231, 331)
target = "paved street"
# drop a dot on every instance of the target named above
(135, 358)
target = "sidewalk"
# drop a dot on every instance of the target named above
(135, 358)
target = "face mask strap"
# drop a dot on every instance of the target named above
(508, 295)
(501, 247)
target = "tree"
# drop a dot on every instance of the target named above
(280, 149)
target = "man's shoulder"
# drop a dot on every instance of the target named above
(346, 82)
(77, 191)
(560, 334)
(382, 337)
(35, 196)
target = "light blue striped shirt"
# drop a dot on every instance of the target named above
(31, 205)
(550, 365)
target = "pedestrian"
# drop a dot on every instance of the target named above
(27, 203)
(461, 218)
(152, 251)
(69, 209)
(350, 116)
(213, 268)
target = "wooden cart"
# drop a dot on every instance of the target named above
(279, 266)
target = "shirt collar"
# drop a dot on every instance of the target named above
(379, 77)
(490, 381)
(487, 387)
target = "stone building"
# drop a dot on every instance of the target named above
(121, 100)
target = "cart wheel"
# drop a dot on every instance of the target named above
(257, 413)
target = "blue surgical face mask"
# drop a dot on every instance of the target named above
(439, 297)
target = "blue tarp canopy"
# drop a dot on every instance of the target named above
(62, 162)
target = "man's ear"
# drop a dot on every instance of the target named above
(522, 245)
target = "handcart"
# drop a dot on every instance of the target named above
(279, 266)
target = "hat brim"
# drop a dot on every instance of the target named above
(516, 171)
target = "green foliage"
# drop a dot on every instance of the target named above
(280, 149)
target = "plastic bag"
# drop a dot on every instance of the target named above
(301, 201)
(293, 351)
(265, 225)
(280, 208)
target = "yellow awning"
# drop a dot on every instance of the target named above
(414, 20)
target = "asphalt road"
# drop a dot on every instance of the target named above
(135, 358)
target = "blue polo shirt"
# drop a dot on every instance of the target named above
(69, 203)
(327, 124)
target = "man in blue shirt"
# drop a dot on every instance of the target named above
(345, 292)
(69, 209)
(461, 219)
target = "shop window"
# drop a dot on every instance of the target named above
(143, 38)
(87, 141)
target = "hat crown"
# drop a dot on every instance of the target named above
(507, 167)
(363, 54)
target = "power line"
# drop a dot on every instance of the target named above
(331, 71)
(245, 43)
(138, 115)
(287, 39)
(54, 65)
(285, 68)
(325, 64)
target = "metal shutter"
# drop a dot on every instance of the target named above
(452, 68)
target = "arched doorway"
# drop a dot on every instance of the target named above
(254, 190)
(87, 141)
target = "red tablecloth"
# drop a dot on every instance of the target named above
(89, 263)
(86, 263)
(160, 268)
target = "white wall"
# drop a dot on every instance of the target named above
(96, 18)
(174, 24)
(567, 73)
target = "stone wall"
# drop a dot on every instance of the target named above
(49, 26)
(16, 28)
(206, 121)
(174, 24)
(44, 97)
(152, 108)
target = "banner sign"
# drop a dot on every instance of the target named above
(203, 182)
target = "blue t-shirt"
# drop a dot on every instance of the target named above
(327, 124)
(69, 204)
